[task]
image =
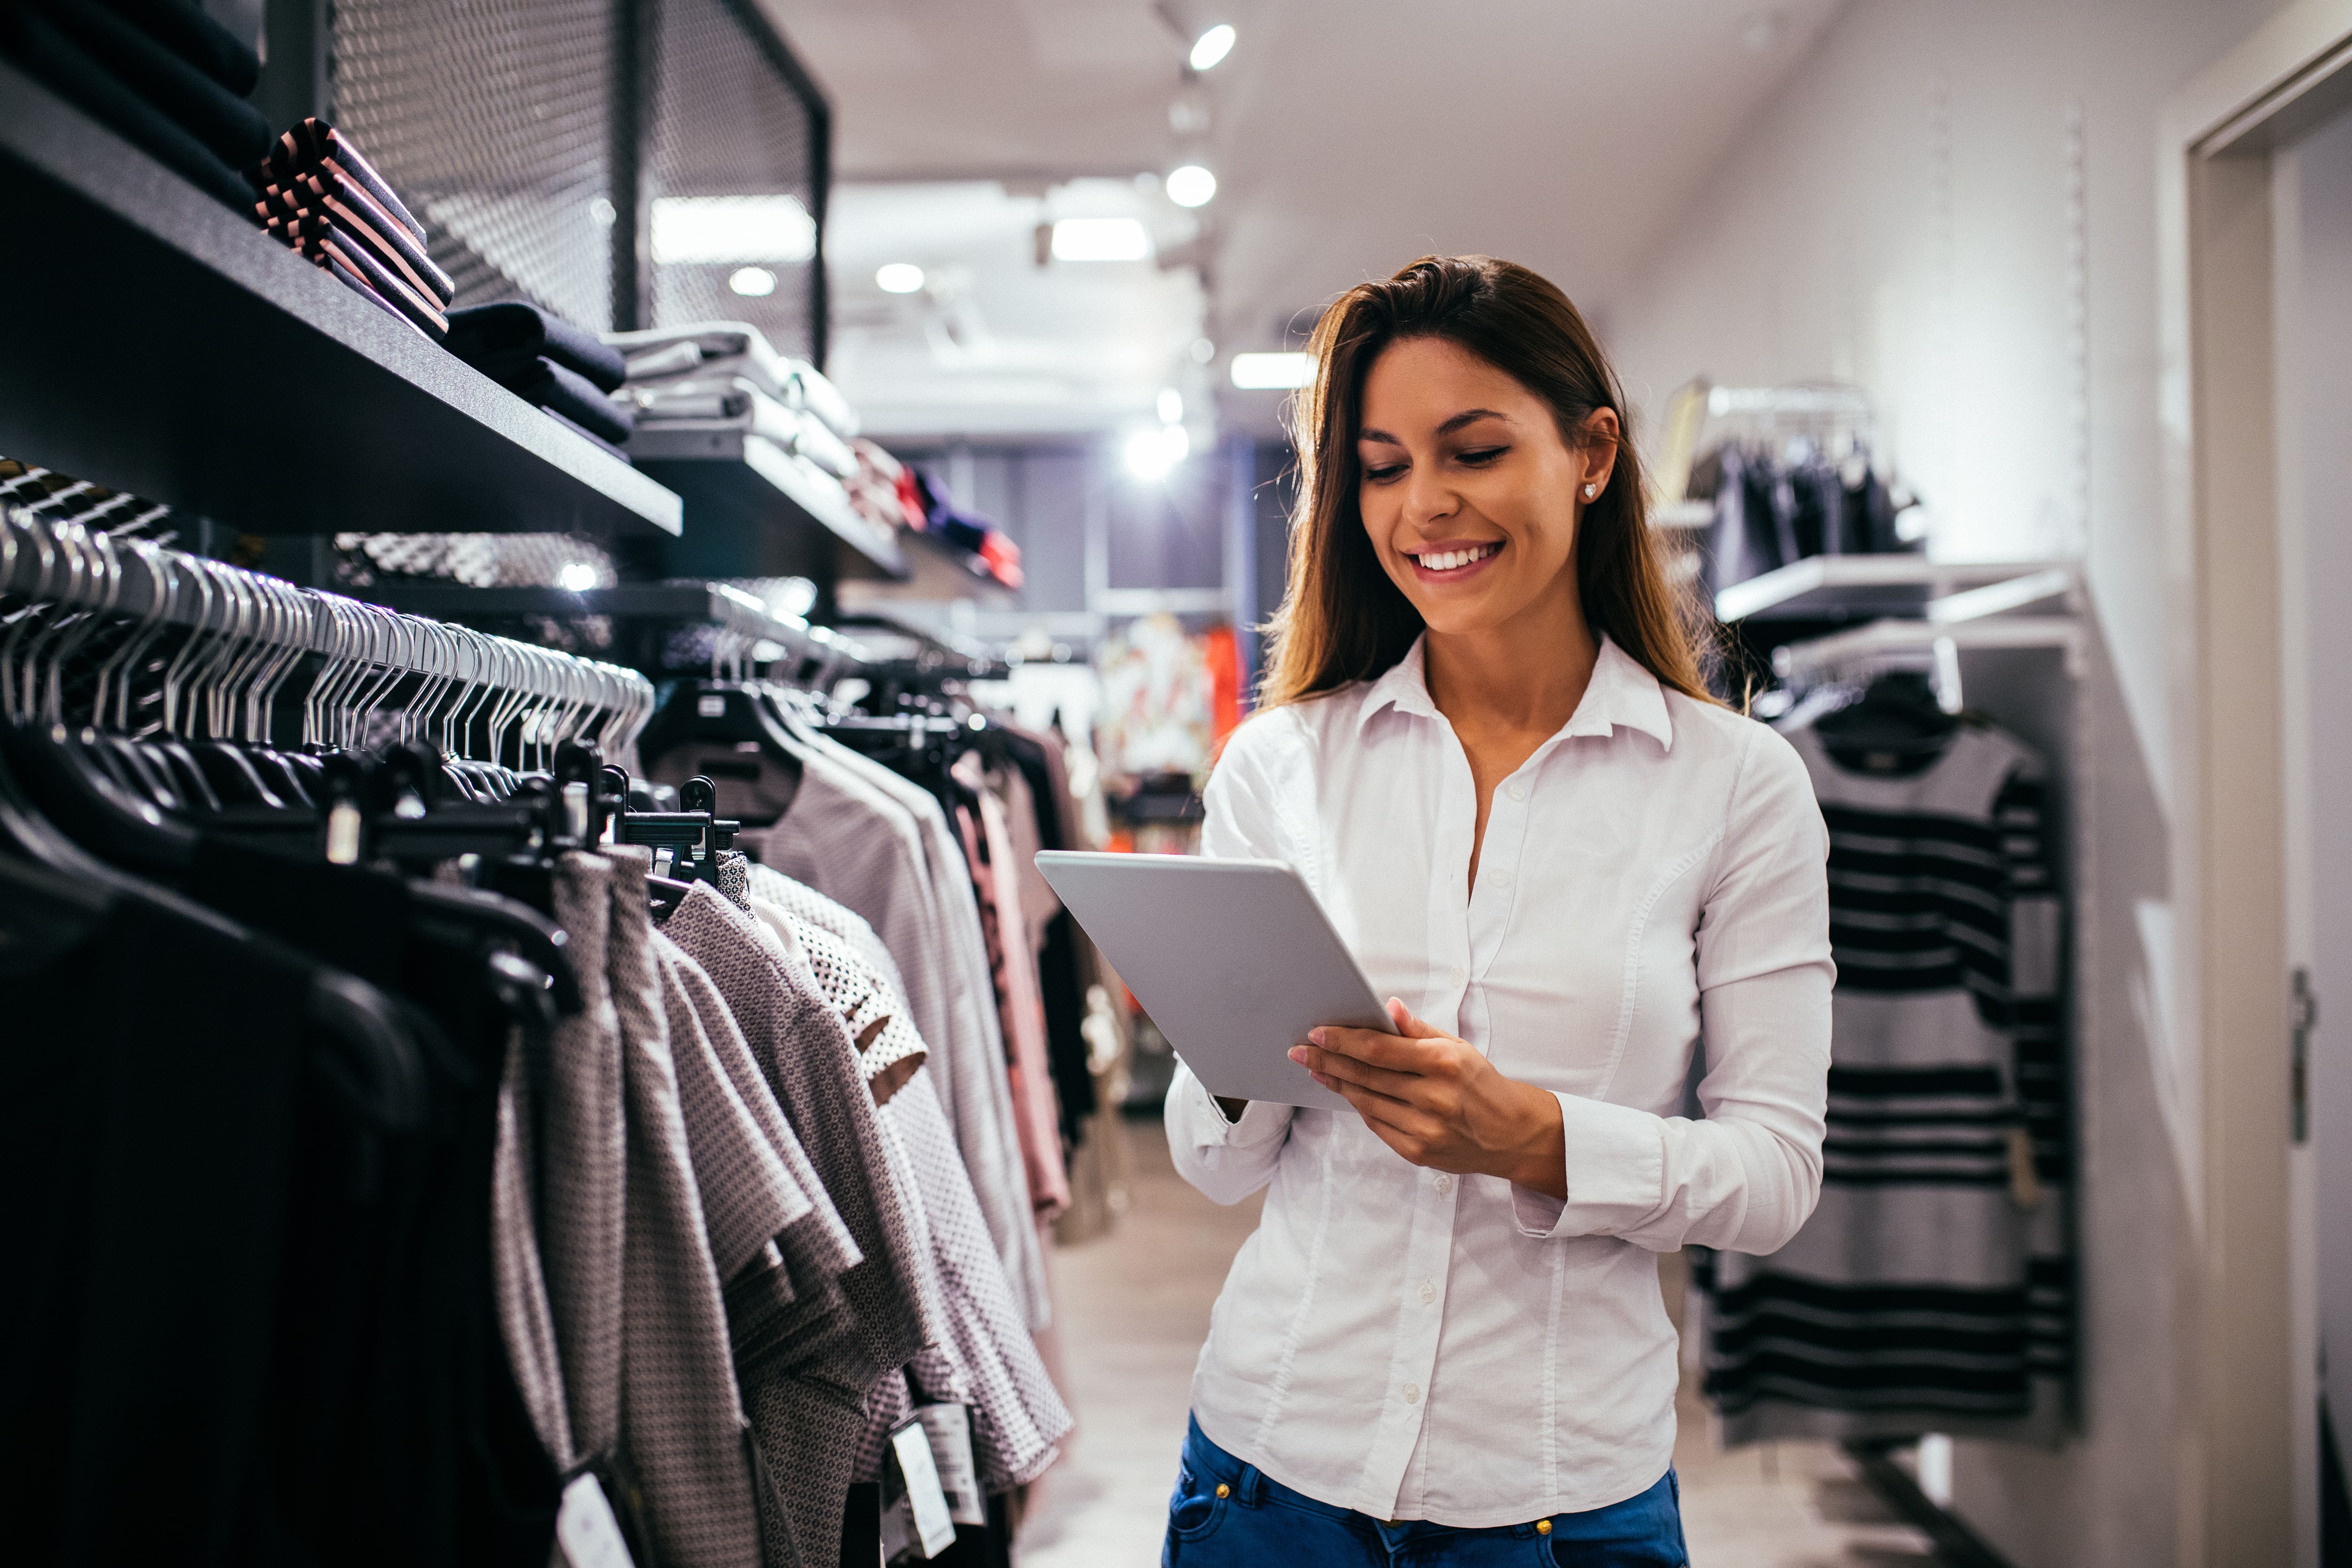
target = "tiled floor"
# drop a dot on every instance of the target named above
(1135, 1307)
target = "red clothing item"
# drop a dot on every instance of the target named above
(1221, 651)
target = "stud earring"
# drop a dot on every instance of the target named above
(1591, 490)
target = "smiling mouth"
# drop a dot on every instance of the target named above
(1440, 561)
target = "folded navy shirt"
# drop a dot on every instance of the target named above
(230, 128)
(50, 58)
(506, 341)
(187, 32)
(561, 391)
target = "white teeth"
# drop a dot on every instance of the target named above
(1454, 560)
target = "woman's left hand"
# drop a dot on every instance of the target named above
(1438, 1102)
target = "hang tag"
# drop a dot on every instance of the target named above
(713, 706)
(586, 1530)
(918, 1517)
(950, 1430)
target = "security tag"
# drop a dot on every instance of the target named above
(921, 1504)
(586, 1530)
(949, 1427)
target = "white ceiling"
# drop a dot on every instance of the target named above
(1348, 136)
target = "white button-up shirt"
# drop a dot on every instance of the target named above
(1418, 1345)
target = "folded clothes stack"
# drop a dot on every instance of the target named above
(160, 74)
(727, 372)
(882, 490)
(563, 368)
(965, 529)
(325, 200)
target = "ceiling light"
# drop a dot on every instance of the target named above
(1213, 46)
(1192, 186)
(1203, 350)
(754, 281)
(1151, 454)
(576, 577)
(1100, 239)
(898, 278)
(702, 229)
(1171, 406)
(1274, 373)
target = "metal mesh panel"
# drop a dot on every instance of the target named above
(493, 121)
(726, 121)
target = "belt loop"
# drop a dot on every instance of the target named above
(1251, 1489)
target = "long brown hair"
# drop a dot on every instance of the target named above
(1342, 618)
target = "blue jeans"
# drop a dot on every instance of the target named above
(1226, 1514)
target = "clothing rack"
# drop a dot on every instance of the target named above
(248, 633)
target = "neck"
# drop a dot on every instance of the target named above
(1528, 673)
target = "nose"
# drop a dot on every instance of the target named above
(1428, 497)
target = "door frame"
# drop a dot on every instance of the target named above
(2244, 1451)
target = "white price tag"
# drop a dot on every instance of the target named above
(934, 1530)
(586, 1530)
(949, 1427)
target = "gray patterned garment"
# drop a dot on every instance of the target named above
(860, 835)
(526, 1322)
(582, 1149)
(731, 873)
(682, 1419)
(808, 1392)
(989, 1361)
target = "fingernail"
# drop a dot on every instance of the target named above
(1315, 1035)
(1298, 1053)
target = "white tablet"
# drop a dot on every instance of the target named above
(1233, 960)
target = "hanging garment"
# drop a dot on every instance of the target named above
(681, 1419)
(865, 837)
(1930, 1291)
(996, 878)
(806, 1393)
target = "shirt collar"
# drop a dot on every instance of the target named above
(1621, 694)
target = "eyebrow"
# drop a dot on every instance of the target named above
(1468, 417)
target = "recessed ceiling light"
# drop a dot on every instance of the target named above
(1272, 373)
(1213, 46)
(1171, 406)
(1192, 186)
(688, 231)
(898, 278)
(754, 282)
(1100, 239)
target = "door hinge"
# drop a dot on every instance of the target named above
(2306, 1014)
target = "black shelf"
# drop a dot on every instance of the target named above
(672, 604)
(758, 510)
(160, 344)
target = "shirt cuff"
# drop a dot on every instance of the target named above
(1206, 1126)
(1616, 1173)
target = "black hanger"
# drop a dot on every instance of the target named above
(1896, 715)
(709, 714)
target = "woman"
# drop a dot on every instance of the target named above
(1487, 748)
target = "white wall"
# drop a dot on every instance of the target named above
(1955, 206)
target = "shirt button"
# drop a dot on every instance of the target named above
(1517, 792)
(1457, 975)
(1428, 1292)
(1502, 878)
(1412, 1394)
(1445, 1183)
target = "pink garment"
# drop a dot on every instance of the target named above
(996, 878)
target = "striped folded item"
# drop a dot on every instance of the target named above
(332, 197)
(323, 240)
(702, 350)
(315, 147)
